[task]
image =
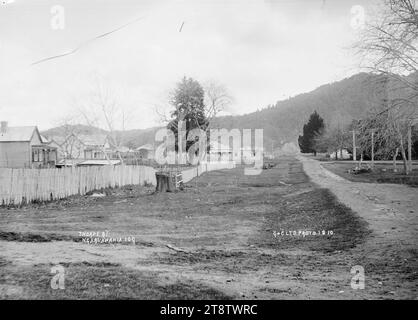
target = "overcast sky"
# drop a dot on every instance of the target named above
(261, 50)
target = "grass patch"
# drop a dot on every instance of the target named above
(233, 262)
(316, 210)
(98, 281)
(33, 237)
(383, 173)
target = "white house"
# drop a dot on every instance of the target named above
(341, 155)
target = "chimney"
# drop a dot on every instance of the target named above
(3, 126)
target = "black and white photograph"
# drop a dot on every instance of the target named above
(230, 151)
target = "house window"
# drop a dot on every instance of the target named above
(35, 155)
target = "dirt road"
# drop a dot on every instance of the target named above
(226, 236)
(390, 209)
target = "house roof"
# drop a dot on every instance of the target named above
(147, 146)
(69, 162)
(216, 146)
(98, 162)
(44, 139)
(18, 134)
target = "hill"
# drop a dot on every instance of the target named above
(338, 102)
(79, 128)
(138, 137)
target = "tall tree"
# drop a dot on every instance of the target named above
(217, 99)
(189, 107)
(69, 132)
(310, 131)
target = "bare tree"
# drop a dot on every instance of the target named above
(102, 109)
(388, 43)
(217, 99)
(389, 46)
(390, 134)
(68, 137)
(333, 140)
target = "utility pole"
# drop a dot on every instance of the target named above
(372, 148)
(409, 148)
(354, 146)
(413, 123)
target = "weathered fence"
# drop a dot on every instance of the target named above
(189, 174)
(19, 186)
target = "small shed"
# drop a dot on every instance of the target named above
(147, 151)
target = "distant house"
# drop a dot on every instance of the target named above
(342, 154)
(219, 151)
(85, 147)
(147, 151)
(97, 147)
(24, 147)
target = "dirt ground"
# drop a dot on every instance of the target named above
(226, 236)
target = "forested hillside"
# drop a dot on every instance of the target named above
(338, 102)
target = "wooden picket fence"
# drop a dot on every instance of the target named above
(18, 186)
(190, 174)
